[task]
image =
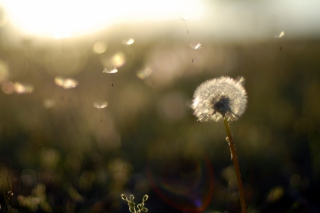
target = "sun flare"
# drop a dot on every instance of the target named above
(60, 19)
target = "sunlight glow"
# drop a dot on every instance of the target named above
(66, 83)
(61, 19)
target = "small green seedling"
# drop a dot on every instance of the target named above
(132, 206)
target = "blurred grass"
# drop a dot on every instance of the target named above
(98, 154)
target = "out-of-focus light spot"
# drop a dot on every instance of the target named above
(22, 88)
(49, 103)
(100, 105)
(8, 87)
(275, 194)
(66, 83)
(110, 71)
(35, 201)
(128, 41)
(4, 71)
(195, 46)
(118, 59)
(146, 72)
(100, 47)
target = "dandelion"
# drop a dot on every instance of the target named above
(218, 98)
(224, 99)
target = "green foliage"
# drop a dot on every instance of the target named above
(132, 205)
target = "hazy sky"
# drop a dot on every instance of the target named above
(216, 19)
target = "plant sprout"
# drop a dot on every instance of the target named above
(132, 206)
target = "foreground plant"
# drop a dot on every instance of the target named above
(132, 206)
(223, 99)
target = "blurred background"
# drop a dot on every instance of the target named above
(95, 102)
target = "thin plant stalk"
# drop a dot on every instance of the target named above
(236, 166)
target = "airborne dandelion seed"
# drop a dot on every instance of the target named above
(281, 34)
(100, 105)
(110, 71)
(195, 46)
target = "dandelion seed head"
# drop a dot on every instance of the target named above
(220, 97)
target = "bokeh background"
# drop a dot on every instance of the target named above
(88, 114)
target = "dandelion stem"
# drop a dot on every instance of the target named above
(236, 166)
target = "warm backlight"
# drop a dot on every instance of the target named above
(65, 18)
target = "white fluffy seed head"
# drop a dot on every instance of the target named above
(220, 97)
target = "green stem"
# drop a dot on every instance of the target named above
(236, 166)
